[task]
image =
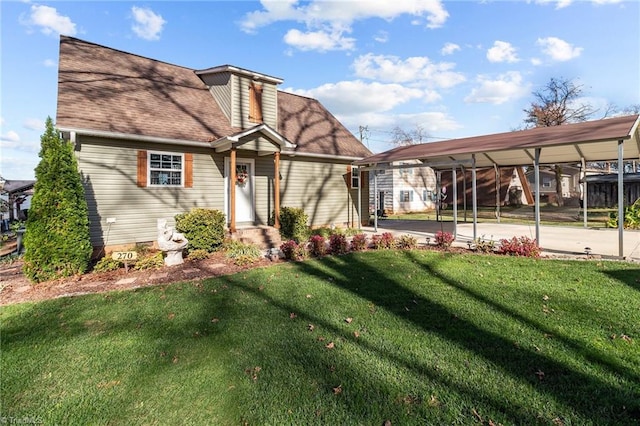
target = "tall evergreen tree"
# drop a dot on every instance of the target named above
(57, 239)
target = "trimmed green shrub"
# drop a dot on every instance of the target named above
(204, 228)
(293, 224)
(107, 264)
(198, 254)
(154, 261)
(56, 239)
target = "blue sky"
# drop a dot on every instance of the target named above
(453, 68)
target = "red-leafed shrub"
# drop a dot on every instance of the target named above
(444, 239)
(384, 241)
(520, 246)
(292, 251)
(338, 244)
(359, 242)
(317, 246)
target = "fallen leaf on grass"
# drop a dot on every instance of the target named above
(175, 359)
(356, 334)
(625, 338)
(545, 297)
(292, 315)
(433, 401)
(348, 320)
(214, 320)
(171, 316)
(337, 390)
(330, 345)
(540, 375)
(476, 415)
(308, 296)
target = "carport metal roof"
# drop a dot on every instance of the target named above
(600, 140)
(590, 140)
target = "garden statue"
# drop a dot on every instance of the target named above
(170, 242)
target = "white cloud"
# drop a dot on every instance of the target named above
(148, 25)
(502, 52)
(449, 49)
(413, 69)
(10, 137)
(348, 97)
(18, 166)
(558, 49)
(319, 40)
(323, 18)
(50, 63)
(34, 124)
(49, 21)
(497, 91)
(381, 37)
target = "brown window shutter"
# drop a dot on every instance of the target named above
(188, 170)
(255, 102)
(142, 169)
(349, 177)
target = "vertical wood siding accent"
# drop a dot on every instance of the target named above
(241, 103)
(188, 170)
(142, 168)
(110, 170)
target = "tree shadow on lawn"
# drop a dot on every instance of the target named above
(519, 363)
(630, 277)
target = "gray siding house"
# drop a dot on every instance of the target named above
(154, 139)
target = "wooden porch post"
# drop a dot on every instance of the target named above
(276, 190)
(232, 192)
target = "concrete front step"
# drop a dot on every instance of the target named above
(265, 237)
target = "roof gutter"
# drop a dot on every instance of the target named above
(327, 156)
(140, 138)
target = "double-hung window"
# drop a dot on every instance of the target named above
(166, 169)
(406, 196)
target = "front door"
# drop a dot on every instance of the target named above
(245, 205)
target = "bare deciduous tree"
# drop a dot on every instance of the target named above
(403, 137)
(556, 104)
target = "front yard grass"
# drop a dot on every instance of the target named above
(414, 337)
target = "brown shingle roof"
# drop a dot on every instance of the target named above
(305, 122)
(108, 90)
(595, 140)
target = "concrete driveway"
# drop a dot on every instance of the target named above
(566, 240)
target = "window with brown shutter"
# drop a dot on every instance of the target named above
(165, 169)
(255, 102)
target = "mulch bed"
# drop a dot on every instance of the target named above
(16, 288)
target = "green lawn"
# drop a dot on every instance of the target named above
(415, 337)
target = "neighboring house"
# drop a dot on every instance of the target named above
(404, 189)
(154, 139)
(570, 182)
(602, 189)
(512, 188)
(17, 194)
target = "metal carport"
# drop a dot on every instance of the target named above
(611, 139)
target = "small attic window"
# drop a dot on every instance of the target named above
(255, 102)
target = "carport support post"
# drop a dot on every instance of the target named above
(620, 199)
(375, 198)
(474, 191)
(454, 179)
(584, 191)
(536, 173)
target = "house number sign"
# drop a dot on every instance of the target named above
(124, 256)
